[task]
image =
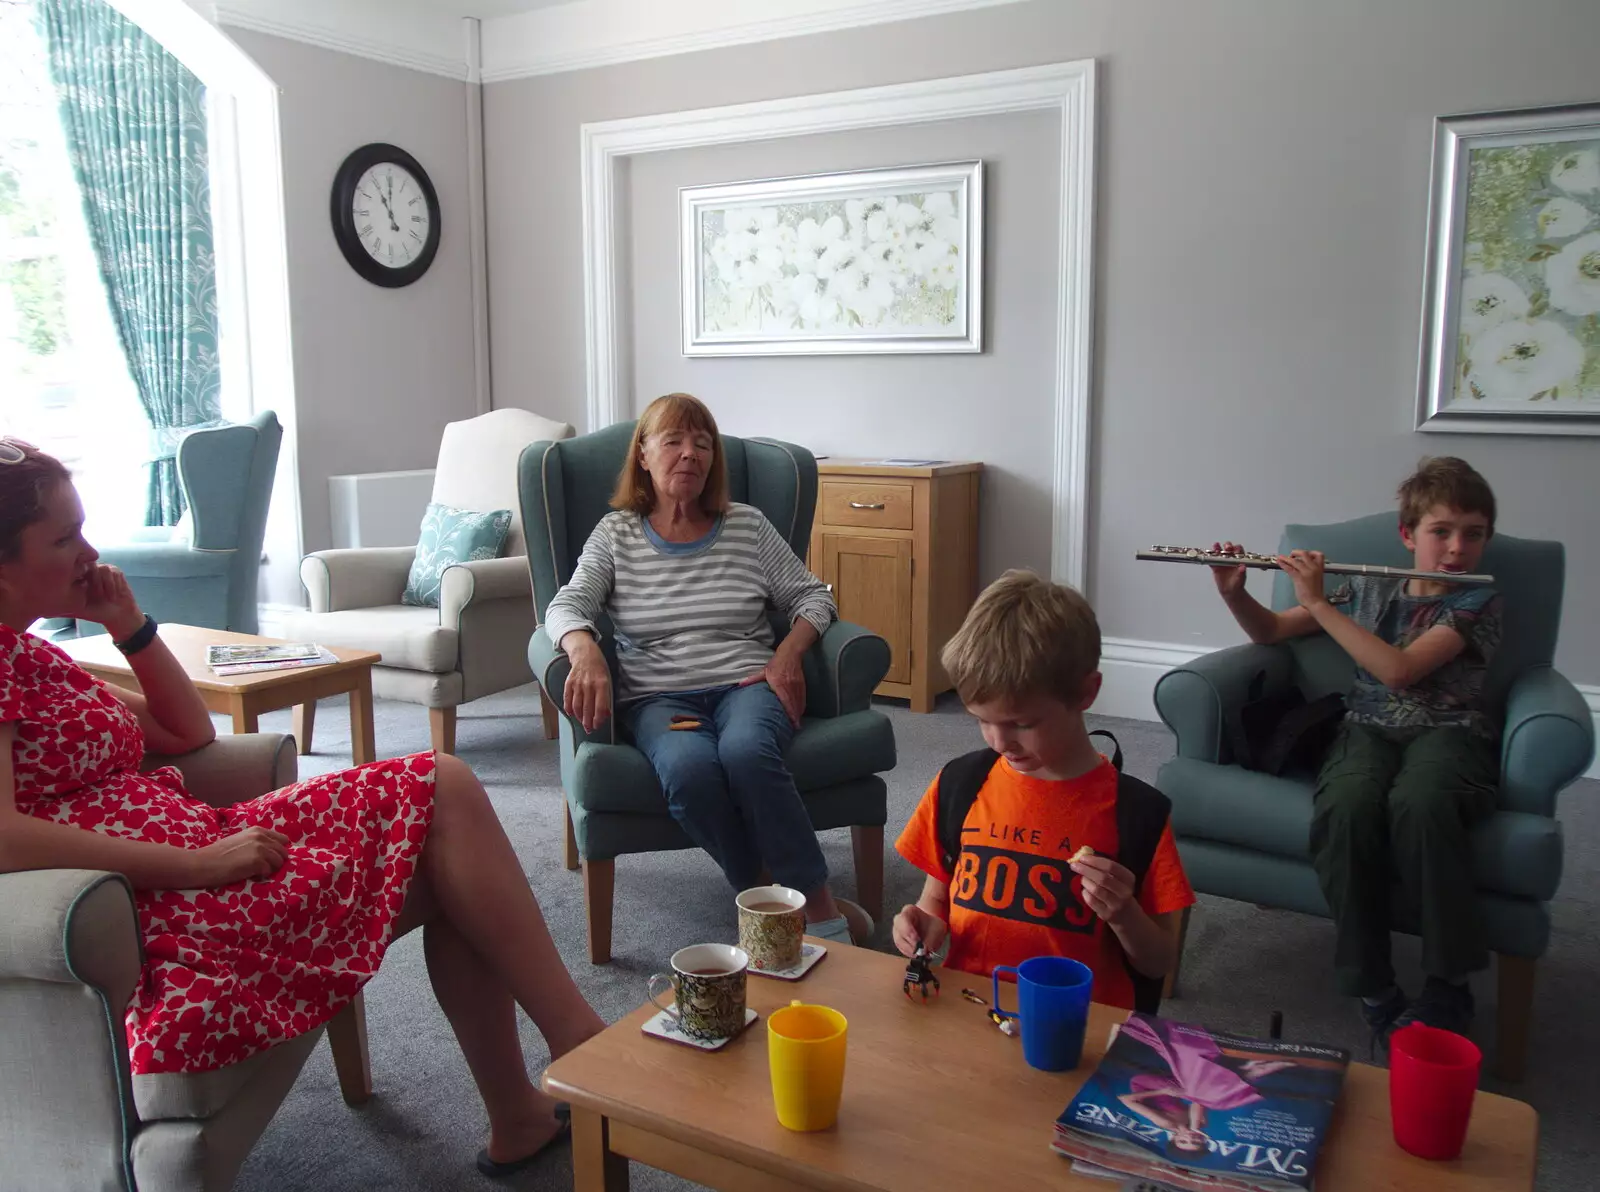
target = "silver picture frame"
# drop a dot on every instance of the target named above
(1510, 342)
(870, 261)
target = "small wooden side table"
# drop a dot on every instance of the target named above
(900, 547)
(246, 697)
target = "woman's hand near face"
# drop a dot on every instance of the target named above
(110, 602)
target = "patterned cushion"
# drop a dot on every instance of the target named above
(451, 536)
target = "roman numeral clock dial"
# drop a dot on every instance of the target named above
(385, 215)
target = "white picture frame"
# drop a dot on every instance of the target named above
(871, 261)
(1511, 296)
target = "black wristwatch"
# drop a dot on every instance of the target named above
(141, 637)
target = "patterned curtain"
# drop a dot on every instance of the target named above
(135, 126)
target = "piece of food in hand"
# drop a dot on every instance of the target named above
(1083, 851)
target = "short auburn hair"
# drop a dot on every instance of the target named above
(675, 411)
(1444, 480)
(24, 486)
(1024, 636)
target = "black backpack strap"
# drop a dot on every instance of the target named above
(1142, 814)
(1116, 748)
(959, 784)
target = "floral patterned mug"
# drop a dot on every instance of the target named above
(771, 921)
(708, 983)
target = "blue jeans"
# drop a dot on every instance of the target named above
(727, 784)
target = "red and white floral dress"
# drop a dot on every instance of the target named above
(232, 970)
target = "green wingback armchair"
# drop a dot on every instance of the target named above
(209, 578)
(614, 803)
(1244, 834)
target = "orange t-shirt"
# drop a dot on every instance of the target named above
(1013, 894)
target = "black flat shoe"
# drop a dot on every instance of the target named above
(500, 1171)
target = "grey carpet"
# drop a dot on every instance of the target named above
(424, 1125)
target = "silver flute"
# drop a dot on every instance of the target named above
(1207, 558)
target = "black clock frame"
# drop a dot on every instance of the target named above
(344, 220)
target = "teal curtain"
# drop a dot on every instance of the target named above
(135, 125)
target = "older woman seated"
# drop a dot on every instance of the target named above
(261, 920)
(687, 577)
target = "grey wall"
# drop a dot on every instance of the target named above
(939, 407)
(1262, 195)
(378, 372)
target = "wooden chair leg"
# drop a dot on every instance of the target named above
(552, 716)
(305, 719)
(442, 729)
(866, 842)
(1513, 1014)
(347, 1037)
(569, 852)
(599, 883)
(1170, 987)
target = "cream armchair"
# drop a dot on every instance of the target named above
(475, 642)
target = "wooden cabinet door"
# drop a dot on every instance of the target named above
(871, 580)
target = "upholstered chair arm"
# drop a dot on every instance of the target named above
(70, 925)
(1548, 740)
(166, 560)
(366, 577)
(232, 769)
(1195, 700)
(551, 666)
(843, 668)
(479, 580)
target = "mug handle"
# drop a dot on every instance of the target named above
(995, 991)
(672, 1010)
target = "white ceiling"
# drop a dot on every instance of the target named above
(479, 8)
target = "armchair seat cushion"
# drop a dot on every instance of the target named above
(169, 1096)
(408, 638)
(1513, 852)
(825, 753)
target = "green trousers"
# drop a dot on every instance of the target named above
(1394, 808)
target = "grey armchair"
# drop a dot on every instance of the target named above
(1244, 834)
(614, 802)
(475, 643)
(71, 1115)
(208, 578)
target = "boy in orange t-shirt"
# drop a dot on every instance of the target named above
(1025, 662)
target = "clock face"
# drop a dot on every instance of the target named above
(391, 213)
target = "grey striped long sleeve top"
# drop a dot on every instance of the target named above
(686, 622)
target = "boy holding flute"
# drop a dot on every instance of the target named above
(1414, 765)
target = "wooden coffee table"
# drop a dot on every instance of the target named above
(935, 1097)
(246, 697)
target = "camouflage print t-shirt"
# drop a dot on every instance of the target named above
(1452, 695)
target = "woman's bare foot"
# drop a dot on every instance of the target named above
(527, 1131)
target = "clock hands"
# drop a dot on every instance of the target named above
(392, 224)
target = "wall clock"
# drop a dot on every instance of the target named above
(385, 215)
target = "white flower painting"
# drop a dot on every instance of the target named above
(881, 261)
(1515, 258)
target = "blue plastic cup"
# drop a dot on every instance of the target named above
(1053, 995)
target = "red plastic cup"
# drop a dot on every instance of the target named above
(1433, 1076)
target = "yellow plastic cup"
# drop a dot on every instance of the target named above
(805, 1049)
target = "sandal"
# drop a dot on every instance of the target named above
(499, 1171)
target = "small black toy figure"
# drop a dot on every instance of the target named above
(919, 973)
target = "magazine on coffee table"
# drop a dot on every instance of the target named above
(1198, 1109)
(247, 658)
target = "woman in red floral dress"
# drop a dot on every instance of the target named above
(261, 920)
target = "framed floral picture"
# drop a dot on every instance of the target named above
(1511, 305)
(872, 261)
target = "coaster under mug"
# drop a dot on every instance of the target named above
(771, 921)
(663, 1026)
(811, 955)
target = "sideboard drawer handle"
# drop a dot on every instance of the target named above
(863, 505)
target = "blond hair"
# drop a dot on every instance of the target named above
(1448, 481)
(674, 411)
(1024, 636)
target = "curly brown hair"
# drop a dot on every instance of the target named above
(27, 475)
(1448, 481)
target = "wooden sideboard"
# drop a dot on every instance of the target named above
(900, 547)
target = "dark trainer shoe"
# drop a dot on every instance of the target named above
(1380, 1019)
(1440, 1004)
